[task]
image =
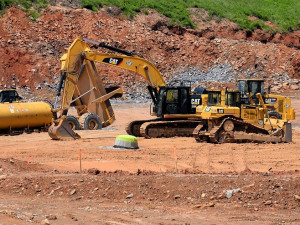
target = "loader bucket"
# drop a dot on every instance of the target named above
(62, 131)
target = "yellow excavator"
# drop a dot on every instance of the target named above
(227, 117)
(173, 106)
(84, 90)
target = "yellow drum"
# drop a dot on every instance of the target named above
(25, 115)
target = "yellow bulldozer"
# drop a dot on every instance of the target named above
(228, 117)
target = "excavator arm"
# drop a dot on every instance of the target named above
(79, 53)
(83, 86)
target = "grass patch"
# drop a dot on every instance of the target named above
(33, 7)
(91, 4)
(285, 14)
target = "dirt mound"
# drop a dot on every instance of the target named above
(168, 180)
(8, 166)
(31, 50)
(255, 191)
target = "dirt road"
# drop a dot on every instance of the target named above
(166, 181)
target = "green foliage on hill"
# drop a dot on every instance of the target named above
(285, 14)
(33, 7)
(5, 4)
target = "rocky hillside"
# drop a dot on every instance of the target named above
(215, 54)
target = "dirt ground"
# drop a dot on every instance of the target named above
(165, 181)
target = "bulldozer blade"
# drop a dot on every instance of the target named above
(62, 131)
(288, 132)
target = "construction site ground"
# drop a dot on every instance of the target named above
(165, 181)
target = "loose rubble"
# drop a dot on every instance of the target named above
(214, 53)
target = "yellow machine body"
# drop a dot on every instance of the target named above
(83, 86)
(24, 115)
(272, 102)
(280, 104)
(224, 119)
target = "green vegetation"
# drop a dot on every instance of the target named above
(91, 4)
(5, 4)
(33, 7)
(285, 14)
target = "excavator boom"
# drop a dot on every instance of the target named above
(83, 87)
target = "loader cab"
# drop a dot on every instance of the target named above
(9, 95)
(251, 87)
(173, 100)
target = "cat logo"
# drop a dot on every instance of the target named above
(113, 61)
(195, 102)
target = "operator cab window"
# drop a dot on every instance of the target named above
(256, 87)
(232, 99)
(172, 96)
(243, 87)
(214, 98)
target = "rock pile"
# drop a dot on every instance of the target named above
(30, 51)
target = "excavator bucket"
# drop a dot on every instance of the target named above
(62, 131)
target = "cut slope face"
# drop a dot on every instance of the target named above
(30, 51)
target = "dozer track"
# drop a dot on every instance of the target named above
(178, 128)
(237, 131)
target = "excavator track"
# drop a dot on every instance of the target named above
(133, 127)
(179, 128)
(241, 132)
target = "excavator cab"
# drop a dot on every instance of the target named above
(173, 100)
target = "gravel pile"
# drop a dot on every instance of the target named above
(219, 73)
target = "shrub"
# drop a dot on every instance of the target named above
(91, 4)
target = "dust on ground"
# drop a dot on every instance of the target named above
(165, 181)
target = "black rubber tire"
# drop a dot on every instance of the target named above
(74, 123)
(90, 121)
(275, 114)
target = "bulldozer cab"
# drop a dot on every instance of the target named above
(249, 88)
(224, 98)
(220, 103)
(10, 96)
(214, 98)
(232, 98)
